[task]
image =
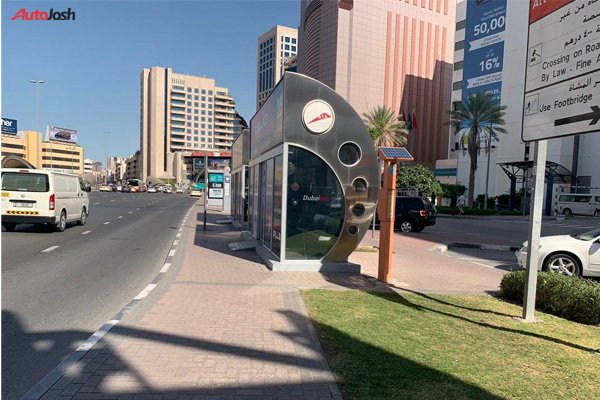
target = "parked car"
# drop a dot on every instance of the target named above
(577, 254)
(105, 188)
(577, 203)
(414, 213)
(119, 188)
(125, 189)
(179, 190)
(151, 189)
(196, 193)
(33, 196)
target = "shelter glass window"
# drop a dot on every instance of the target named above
(315, 206)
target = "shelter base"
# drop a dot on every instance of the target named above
(305, 265)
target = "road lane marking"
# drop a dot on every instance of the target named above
(178, 235)
(130, 212)
(175, 242)
(172, 253)
(120, 216)
(165, 268)
(145, 292)
(49, 249)
(106, 223)
(96, 204)
(113, 200)
(85, 233)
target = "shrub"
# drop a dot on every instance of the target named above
(569, 297)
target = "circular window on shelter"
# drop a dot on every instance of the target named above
(315, 207)
(349, 154)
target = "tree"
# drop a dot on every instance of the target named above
(386, 128)
(418, 177)
(478, 120)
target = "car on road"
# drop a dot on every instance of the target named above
(179, 190)
(196, 193)
(125, 189)
(577, 203)
(414, 213)
(32, 196)
(151, 189)
(576, 254)
(105, 188)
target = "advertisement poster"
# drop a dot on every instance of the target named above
(9, 126)
(216, 185)
(484, 48)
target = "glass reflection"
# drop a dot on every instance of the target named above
(315, 206)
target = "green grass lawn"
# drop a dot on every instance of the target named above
(390, 346)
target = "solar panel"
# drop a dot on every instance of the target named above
(396, 152)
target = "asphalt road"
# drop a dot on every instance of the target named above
(54, 300)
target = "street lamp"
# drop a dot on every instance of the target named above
(487, 175)
(106, 133)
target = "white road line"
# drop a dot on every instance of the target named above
(165, 268)
(175, 242)
(145, 292)
(106, 223)
(49, 249)
(113, 200)
(120, 216)
(171, 253)
(85, 233)
(96, 204)
(137, 208)
(130, 212)
(178, 235)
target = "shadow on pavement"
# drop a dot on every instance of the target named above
(104, 373)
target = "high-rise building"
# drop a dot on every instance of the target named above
(395, 53)
(180, 114)
(88, 166)
(275, 52)
(577, 154)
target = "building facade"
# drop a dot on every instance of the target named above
(395, 53)
(275, 51)
(88, 166)
(180, 114)
(577, 153)
(132, 166)
(54, 155)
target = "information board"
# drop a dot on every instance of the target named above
(216, 185)
(562, 83)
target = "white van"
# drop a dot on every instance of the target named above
(578, 203)
(33, 196)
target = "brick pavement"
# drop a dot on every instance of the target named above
(225, 327)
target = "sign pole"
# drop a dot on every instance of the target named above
(535, 228)
(386, 205)
(205, 187)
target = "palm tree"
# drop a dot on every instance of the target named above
(386, 128)
(477, 119)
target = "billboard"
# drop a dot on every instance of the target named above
(63, 134)
(484, 48)
(216, 185)
(562, 81)
(9, 126)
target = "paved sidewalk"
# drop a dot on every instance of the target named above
(224, 327)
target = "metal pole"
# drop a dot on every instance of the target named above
(205, 187)
(535, 228)
(487, 177)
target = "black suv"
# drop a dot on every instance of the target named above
(413, 214)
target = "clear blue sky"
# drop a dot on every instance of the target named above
(92, 65)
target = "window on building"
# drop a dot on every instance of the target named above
(293, 40)
(189, 124)
(195, 111)
(293, 48)
(203, 98)
(203, 112)
(196, 104)
(210, 92)
(203, 91)
(189, 138)
(189, 96)
(189, 117)
(188, 131)
(461, 24)
(457, 85)
(203, 105)
(195, 138)
(287, 47)
(459, 45)
(203, 126)
(196, 98)
(203, 140)
(189, 103)
(189, 90)
(209, 105)
(195, 124)
(203, 119)
(195, 131)
(458, 65)
(195, 90)
(210, 113)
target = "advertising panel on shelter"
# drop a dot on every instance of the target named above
(63, 134)
(9, 126)
(484, 48)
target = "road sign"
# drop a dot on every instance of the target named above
(216, 185)
(562, 83)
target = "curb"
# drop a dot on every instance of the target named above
(497, 247)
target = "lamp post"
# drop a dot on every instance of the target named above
(37, 84)
(106, 133)
(487, 174)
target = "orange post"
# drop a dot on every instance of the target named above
(386, 206)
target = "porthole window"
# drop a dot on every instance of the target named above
(358, 210)
(349, 154)
(359, 185)
(352, 230)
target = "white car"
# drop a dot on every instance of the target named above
(151, 189)
(567, 254)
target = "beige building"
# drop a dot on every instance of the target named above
(132, 167)
(181, 114)
(58, 156)
(397, 53)
(275, 51)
